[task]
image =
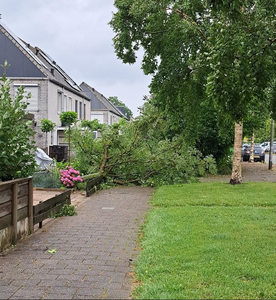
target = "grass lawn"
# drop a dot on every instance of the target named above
(209, 240)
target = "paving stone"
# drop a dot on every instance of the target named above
(5, 295)
(9, 289)
(50, 282)
(26, 292)
(71, 277)
(5, 282)
(62, 290)
(85, 297)
(58, 271)
(55, 296)
(26, 282)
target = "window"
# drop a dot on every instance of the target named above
(76, 106)
(70, 104)
(80, 112)
(64, 108)
(59, 102)
(84, 111)
(33, 90)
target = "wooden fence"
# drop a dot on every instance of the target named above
(93, 185)
(16, 210)
(50, 207)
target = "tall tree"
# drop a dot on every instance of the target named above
(118, 103)
(69, 118)
(225, 49)
(47, 126)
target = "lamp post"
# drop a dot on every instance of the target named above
(271, 145)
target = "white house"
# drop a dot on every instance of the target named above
(53, 90)
(101, 108)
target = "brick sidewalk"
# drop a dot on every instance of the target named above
(93, 255)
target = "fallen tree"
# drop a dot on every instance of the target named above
(138, 153)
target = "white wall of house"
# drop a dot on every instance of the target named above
(38, 107)
(112, 118)
(104, 117)
(60, 100)
(49, 101)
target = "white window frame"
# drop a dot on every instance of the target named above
(76, 106)
(64, 108)
(70, 104)
(80, 110)
(59, 102)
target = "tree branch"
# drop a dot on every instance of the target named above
(191, 20)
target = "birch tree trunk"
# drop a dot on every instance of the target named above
(251, 158)
(236, 177)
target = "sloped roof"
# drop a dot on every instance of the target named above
(106, 103)
(44, 63)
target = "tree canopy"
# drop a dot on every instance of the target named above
(139, 152)
(118, 103)
(219, 51)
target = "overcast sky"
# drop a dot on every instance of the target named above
(76, 34)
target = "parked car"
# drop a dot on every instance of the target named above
(259, 153)
(245, 152)
(266, 146)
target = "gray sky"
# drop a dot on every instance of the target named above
(76, 34)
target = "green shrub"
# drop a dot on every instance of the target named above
(66, 210)
(224, 165)
(16, 133)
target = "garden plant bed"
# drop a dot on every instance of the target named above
(54, 200)
(41, 194)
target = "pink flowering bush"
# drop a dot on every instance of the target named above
(70, 176)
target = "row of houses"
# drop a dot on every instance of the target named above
(52, 90)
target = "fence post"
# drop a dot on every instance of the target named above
(14, 213)
(30, 206)
(40, 223)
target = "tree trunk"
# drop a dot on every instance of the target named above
(236, 177)
(251, 158)
(69, 146)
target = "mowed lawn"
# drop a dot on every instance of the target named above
(209, 241)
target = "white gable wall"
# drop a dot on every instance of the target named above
(42, 111)
(68, 103)
(47, 106)
(104, 117)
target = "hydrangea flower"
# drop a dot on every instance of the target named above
(70, 176)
